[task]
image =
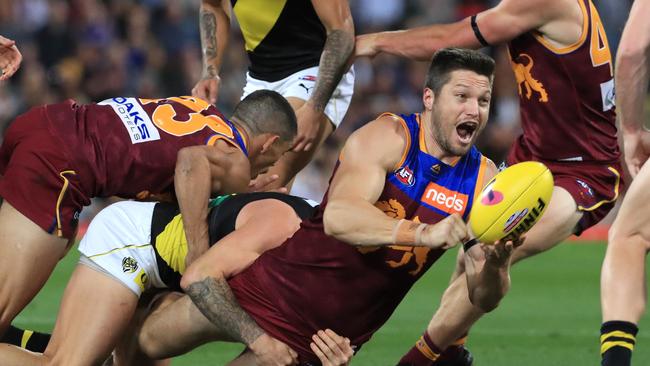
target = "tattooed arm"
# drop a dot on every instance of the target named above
(260, 226)
(337, 19)
(214, 23)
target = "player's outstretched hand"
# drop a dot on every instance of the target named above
(331, 348)
(269, 351)
(365, 46)
(637, 150)
(10, 58)
(207, 88)
(309, 125)
(498, 254)
(445, 234)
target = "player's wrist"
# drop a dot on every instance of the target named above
(406, 232)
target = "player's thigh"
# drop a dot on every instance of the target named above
(95, 311)
(558, 223)
(28, 255)
(128, 351)
(634, 215)
(176, 329)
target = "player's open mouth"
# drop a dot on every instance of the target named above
(465, 131)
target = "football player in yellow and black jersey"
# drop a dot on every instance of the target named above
(132, 247)
(298, 48)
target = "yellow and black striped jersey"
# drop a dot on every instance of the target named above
(168, 235)
(282, 36)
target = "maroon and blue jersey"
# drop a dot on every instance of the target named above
(314, 281)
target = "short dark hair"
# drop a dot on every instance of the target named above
(266, 111)
(447, 60)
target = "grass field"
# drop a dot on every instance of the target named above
(550, 317)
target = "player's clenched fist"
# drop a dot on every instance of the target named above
(269, 351)
(444, 234)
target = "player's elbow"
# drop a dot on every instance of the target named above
(193, 274)
(186, 159)
(633, 53)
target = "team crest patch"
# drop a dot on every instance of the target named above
(129, 265)
(405, 176)
(514, 220)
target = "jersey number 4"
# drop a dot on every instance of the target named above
(599, 48)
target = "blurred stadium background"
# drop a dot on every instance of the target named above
(90, 50)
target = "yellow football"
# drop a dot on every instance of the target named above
(512, 202)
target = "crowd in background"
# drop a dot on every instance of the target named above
(91, 50)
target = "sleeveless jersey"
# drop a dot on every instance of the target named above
(282, 36)
(168, 235)
(567, 94)
(127, 147)
(316, 281)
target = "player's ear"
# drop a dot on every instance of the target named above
(269, 142)
(428, 98)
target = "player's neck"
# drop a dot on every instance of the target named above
(431, 145)
(243, 131)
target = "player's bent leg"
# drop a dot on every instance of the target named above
(177, 329)
(456, 314)
(291, 163)
(95, 311)
(558, 223)
(28, 256)
(127, 351)
(623, 290)
(623, 281)
(454, 317)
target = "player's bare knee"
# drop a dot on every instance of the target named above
(149, 345)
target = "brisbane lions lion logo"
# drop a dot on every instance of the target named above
(525, 78)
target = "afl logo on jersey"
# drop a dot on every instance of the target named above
(405, 176)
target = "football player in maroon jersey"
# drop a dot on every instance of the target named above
(623, 277)
(563, 67)
(397, 200)
(54, 158)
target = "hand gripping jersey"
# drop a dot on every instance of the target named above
(127, 147)
(314, 281)
(567, 94)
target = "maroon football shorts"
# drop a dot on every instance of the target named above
(38, 179)
(594, 186)
(258, 304)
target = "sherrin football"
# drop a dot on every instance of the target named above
(512, 202)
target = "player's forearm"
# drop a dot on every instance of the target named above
(631, 83)
(192, 184)
(214, 298)
(214, 24)
(361, 224)
(422, 42)
(338, 48)
(489, 285)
